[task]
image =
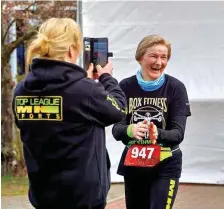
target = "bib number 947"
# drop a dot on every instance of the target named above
(143, 156)
(144, 152)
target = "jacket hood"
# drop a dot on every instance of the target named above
(47, 75)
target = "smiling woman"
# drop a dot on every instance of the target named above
(153, 129)
(153, 54)
(154, 62)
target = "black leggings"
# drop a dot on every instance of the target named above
(142, 193)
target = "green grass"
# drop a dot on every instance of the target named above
(12, 186)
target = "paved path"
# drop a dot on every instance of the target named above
(189, 197)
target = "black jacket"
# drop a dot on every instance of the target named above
(62, 116)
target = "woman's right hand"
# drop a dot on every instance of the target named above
(108, 68)
(90, 71)
(139, 130)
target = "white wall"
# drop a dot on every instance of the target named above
(196, 31)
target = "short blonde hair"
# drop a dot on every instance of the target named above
(150, 41)
(54, 38)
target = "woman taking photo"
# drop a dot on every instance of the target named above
(62, 114)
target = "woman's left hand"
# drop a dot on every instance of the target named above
(153, 132)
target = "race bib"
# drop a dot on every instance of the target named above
(143, 155)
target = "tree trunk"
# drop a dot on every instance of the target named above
(6, 120)
(6, 96)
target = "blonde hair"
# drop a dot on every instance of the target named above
(54, 38)
(150, 41)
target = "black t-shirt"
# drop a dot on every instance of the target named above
(168, 108)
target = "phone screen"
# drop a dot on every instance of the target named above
(87, 53)
(100, 51)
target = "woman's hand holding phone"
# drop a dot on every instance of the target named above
(108, 68)
(100, 70)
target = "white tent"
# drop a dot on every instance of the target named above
(196, 31)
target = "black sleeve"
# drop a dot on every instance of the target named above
(179, 110)
(119, 130)
(107, 103)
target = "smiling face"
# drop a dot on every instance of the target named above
(153, 53)
(154, 62)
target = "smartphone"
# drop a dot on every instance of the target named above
(95, 51)
(87, 53)
(100, 51)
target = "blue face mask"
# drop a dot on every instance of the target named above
(150, 85)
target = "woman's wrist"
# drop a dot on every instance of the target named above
(129, 130)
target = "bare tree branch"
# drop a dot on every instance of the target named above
(8, 49)
(7, 30)
(23, 38)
